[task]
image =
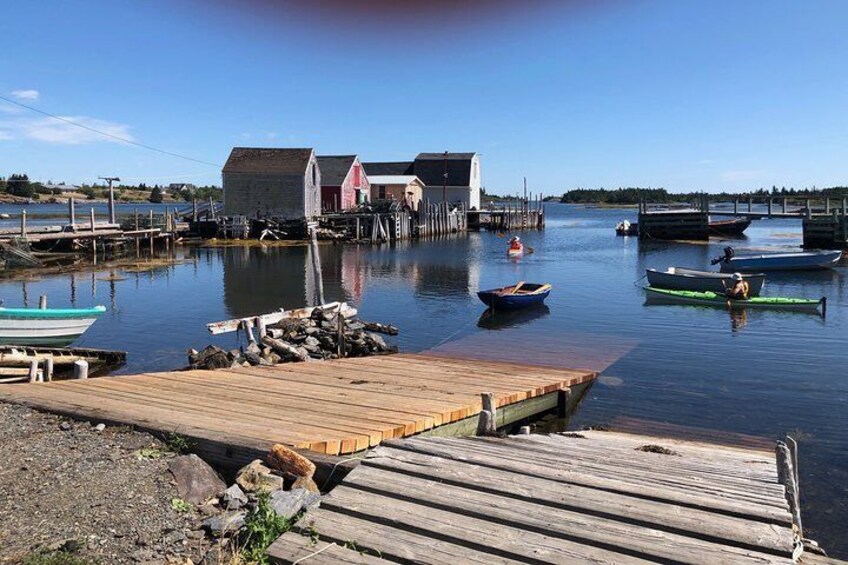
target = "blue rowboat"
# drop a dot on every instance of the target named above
(45, 326)
(801, 261)
(513, 297)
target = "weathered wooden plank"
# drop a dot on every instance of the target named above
(643, 485)
(761, 492)
(407, 532)
(658, 515)
(600, 532)
(296, 548)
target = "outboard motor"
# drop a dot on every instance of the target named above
(729, 252)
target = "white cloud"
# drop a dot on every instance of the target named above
(732, 176)
(51, 130)
(28, 94)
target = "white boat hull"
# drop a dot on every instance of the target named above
(23, 331)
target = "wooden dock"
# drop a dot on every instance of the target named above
(328, 407)
(587, 497)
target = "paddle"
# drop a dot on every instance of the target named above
(516, 287)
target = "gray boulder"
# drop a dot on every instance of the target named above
(196, 481)
(287, 503)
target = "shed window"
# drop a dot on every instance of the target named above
(381, 191)
(314, 174)
(357, 176)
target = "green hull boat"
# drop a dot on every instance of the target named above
(713, 299)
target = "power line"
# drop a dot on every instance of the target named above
(105, 134)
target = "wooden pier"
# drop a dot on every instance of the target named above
(587, 497)
(328, 407)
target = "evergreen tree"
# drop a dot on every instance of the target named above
(156, 195)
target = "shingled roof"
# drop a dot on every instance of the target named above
(334, 168)
(268, 160)
(441, 156)
(388, 168)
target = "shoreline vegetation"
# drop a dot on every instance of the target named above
(632, 196)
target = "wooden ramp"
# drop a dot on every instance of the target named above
(588, 497)
(331, 407)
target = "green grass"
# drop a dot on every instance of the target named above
(179, 444)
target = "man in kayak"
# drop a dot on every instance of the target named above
(739, 290)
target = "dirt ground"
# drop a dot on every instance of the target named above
(106, 496)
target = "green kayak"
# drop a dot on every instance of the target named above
(713, 299)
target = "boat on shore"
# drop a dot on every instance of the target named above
(722, 301)
(677, 278)
(46, 326)
(732, 227)
(516, 296)
(798, 261)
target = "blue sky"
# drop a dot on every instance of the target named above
(680, 94)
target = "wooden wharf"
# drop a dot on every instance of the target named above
(587, 497)
(330, 408)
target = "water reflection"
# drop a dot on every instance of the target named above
(492, 320)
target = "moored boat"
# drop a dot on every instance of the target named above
(676, 278)
(732, 227)
(720, 300)
(624, 227)
(799, 261)
(516, 296)
(45, 326)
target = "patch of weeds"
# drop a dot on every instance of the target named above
(57, 558)
(180, 505)
(312, 532)
(351, 545)
(178, 443)
(150, 453)
(262, 527)
(657, 449)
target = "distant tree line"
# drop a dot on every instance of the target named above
(661, 195)
(19, 185)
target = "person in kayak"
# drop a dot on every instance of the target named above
(515, 243)
(739, 290)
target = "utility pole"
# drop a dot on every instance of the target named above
(445, 180)
(111, 198)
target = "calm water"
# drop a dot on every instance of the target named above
(766, 373)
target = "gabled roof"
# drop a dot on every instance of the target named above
(393, 179)
(334, 168)
(441, 156)
(431, 168)
(268, 160)
(388, 168)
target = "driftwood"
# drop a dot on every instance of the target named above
(387, 329)
(278, 316)
(290, 462)
(284, 348)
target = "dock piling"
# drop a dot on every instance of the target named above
(81, 369)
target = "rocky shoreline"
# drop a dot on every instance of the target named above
(82, 492)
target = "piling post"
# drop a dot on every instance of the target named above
(563, 400)
(809, 209)
(194, 208)
(770, 200)
(150, 226)
(48, 369)
(736, 207)
(827, 205)
(783, 204)
(33, 371)
(42, 302)
(487, 422)
(787, 477)
(750, 204)
(81, 369)
(260, 327)
(72, 214)
(23, 223)
(111, 203)
(316, 262)
(91, 218)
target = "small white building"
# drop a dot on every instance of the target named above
(406, 189)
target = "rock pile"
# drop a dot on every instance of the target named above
(322, 335)
(231, 507)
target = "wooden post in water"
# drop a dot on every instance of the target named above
(150, 226)
(770, 200)
(91, 218)
(81, 369)
(194, 208)
(784, 206)
(33, 371)
(563, 400)
(211, 208)
(316, 262)
(750, 203)
(42, 302)
(827, 205)
(23, 223)
(72, 214)
(736, 207)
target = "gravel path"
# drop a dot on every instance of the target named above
(66, 483)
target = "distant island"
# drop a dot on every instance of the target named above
(632, 196)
